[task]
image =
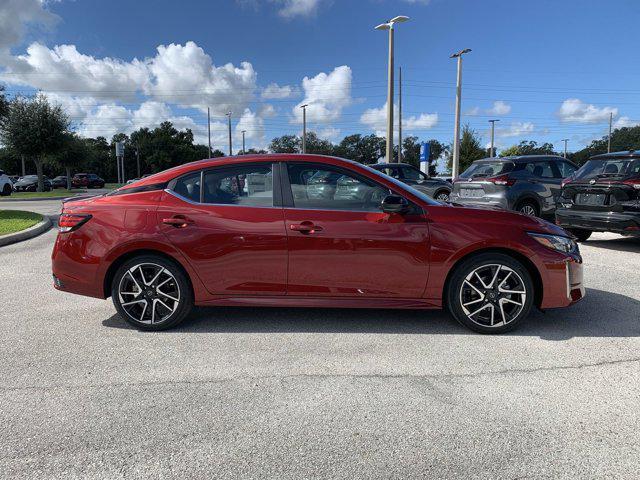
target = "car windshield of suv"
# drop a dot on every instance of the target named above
(487, 169)
(609, 168)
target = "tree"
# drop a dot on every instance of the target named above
(318, 145)
(253, 151)
(285, 144)
(528, 147)
(4, 104)
(35, 128)
(73, 154)
(364, 149)
(622, 139)
(470, 149)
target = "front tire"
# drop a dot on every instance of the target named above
(442, 195)
(528, 207)
(152, 293)
(490, 293)
(6, 190)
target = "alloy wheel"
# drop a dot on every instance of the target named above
(443, 197)
(528, 210)
(493, 295)
(149, 293)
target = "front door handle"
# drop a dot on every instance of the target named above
(178, 221)
(305, 227)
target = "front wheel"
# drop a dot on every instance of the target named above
(490, 293)
(6, 191)
(442, 196)
(580, 234)
(152, 293)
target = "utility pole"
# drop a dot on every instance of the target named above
(456, 130)
(400, 116)
(493, 130)
(390, 96)
(609, 141)
(24, 172)
(230, 144)
(138, 159)
(565, 140)
(304, 127)
(243, 132)
(209, 129)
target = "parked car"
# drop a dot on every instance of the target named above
(87, 180)
(529, 184)
(200, 234)
(434, 187)
(29, 183)
(136, 179)
(59, 182)
(602, 196)
(14, 178)
(6, 185)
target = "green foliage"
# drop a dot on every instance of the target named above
(622, 139)
(528, 147)
(286, 144)
(470, 149)
(365, 149)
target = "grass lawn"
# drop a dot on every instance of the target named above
(12, 221)
(52, 193)
(112, 186)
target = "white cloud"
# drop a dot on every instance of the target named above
(297, 8)
(17, 15)
(625, 122)
(472, 112)
(574, 110)
(254, 127)
(273, 90)
(516, 129)
(330, 133)
(499, 108)
(326, 95)
(376, 120)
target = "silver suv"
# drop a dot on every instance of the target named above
(530, 184)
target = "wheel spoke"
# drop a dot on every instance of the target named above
(474, 287)
(480, 278)
(152, 281)
(495, 277)
(480, 309)
(144, 310)
(134, 280)
(167, 295)
(472, 302)
(133, 302)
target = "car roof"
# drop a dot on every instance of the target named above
(627, 154)
(521, 158)
(387, 165)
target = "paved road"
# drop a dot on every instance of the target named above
(286, 393)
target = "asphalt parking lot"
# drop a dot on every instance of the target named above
(292, 393)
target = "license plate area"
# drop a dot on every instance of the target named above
(594, 199)
(471, 192)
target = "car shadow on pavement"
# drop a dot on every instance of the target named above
(622, 244)
(600, 314)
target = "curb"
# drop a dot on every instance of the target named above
(26, 234)
(40, 199)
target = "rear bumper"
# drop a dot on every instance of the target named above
(619, 222)
(500, 202)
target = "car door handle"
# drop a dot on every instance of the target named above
(178, 221)
(305, 227)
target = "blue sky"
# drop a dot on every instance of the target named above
(547, 69)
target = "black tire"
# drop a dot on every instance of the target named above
(528, 207)
(442, 195)
(512, 276)
(179, 284)
(6, 190)
(580, 234)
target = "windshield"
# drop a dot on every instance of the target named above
(609, 168)
(487, 169)
(403, 186)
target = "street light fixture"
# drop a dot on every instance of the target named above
(390, 27)
(456, 132)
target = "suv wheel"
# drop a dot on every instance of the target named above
(151, 293)
(490, 293)
(442, 195)
(528, 207)
(6, 191)
(580, 234)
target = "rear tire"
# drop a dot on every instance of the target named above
(152, 293)
(490, 293)
(442, 195)
(580, 234)
(528, 207)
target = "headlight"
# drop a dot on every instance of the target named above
(556, 242)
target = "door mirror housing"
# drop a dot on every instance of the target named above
(394, 204)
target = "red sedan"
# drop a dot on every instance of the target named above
(307, 231)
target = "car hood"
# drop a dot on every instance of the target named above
(518, 220)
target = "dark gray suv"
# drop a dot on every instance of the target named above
(434, 187)
(530, 184)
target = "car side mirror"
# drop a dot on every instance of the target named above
(394, 204)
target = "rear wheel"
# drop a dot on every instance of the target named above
(6, 190)
(528, 207)
(442, 195)
(490, 293)
(580, 234)
(152, 293)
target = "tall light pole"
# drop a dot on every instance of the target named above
(456, 130)
(400, 116)
(230, 145)
(609, 140)
(304, 127)
(493, 131)
(565, 140)
(390, 26)
(209, 129)
(243, 132)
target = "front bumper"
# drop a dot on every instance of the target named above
(599, 221)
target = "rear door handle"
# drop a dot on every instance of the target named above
(305, 227)
(178, 221)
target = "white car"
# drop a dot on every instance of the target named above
(6, 187)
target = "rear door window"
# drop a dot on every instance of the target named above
(487, 169)
(540, 169)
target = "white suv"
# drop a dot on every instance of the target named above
(6, 187)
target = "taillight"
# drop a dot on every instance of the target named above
(635, 183)
(502, 180)
(68, 222)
